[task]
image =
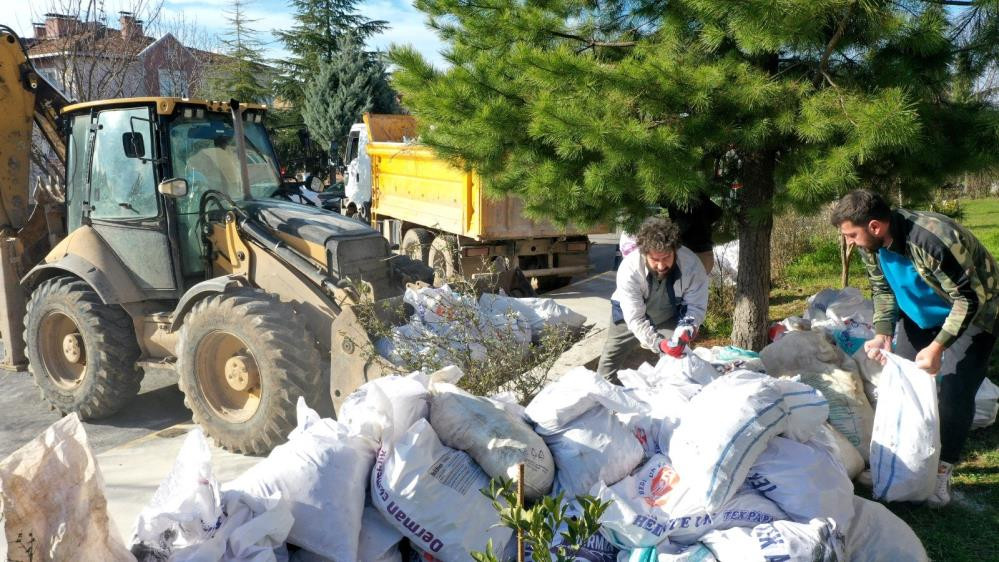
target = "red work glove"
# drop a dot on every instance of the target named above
(681, 337)
(673, 351)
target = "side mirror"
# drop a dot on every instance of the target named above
(173, 187)
(133, 144)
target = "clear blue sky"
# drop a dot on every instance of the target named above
(406, 23)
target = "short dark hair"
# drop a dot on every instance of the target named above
(657, 234)
(860, 207)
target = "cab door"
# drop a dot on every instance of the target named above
(123, 205)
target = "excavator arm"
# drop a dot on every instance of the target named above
(26, 98)
(29, 226)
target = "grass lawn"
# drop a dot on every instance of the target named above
(969, 528)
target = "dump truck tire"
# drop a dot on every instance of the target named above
(416, 244)
(81, 352)
(244, 359)
(443, 258)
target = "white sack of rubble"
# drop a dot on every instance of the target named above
(577, 416)
(724, 428)
(870, 372)
(539, 312)
(850, 307)
(186, 508)
(818, 540)
(807, 408)
(385, 408)
(839, 449)
(507, 400)
(254, 529)
(824, 366)
(498, 440)
(726, 263)
(459, 317)
(565, 399)
(986, 404)
(379, 540)
(663, 400)
(430, 494)
(877, 534)
(840, 305)
(905, 447)
(52, 497)
(646, 377)
(805, 482)
(654, 505)
(690, 368)
(321, 455)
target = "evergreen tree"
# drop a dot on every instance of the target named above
(241, 76)
(315, 37)
(349, 84)
(593, 111)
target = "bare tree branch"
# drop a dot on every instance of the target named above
(91, 58)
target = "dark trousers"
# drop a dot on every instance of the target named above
(963, 368)
(621, 344)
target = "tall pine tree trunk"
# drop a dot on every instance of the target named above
(755, 221)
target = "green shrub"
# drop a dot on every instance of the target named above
(542, 523)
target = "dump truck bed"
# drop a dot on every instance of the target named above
(412, 184)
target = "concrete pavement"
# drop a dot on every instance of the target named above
(133, 472)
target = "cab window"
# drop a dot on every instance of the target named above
(76, 171)
(122, 185)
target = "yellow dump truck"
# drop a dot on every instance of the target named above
(441, 215)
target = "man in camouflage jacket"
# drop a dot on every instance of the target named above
(935, 288)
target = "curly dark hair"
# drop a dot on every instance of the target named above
(657, 234)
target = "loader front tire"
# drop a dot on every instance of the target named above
(81, 352)
(244, 359)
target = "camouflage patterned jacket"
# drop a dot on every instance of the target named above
(951, 261)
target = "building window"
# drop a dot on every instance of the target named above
(52, 75)
(173, 83)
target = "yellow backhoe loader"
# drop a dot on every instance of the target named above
(163, 249)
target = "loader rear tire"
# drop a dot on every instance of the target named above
(244, 359)
(416, 244)
(81, 352)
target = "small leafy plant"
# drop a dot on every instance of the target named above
(543, 523)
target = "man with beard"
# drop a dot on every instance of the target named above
(935, 288)
(660, 300)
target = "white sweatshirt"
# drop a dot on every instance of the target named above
(633, 290)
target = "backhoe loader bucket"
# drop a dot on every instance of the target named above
(354, 360)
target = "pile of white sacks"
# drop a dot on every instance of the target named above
(846, 317)
(700, 461)
(445, 322)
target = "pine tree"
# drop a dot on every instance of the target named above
(593, 111)
(315, 37)
(349, 84)
(242, 76)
